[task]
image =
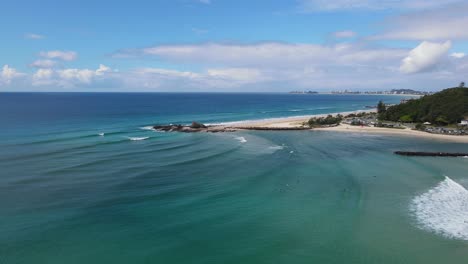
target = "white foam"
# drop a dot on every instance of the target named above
(276, 147)
(321, 108)
(147, 128)
(101, 134)
(443, 210)
(137, 138)
(241, 139)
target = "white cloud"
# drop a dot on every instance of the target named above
(33, 36)
(237, 54)
(458, 55)
(345, 34)
(69, 77)
(8, 74)
(338, 5)
(58, 54)
(43, 77)
(160, 79)
(103, 69)
(43, 74)
(209, 79)
(43, 64)
(262, 78)
(236, 74)
(255, 79)
(168, 73)
(270, 54)
(81, 75)
(439, 24)
(424, 56)
(272, 64)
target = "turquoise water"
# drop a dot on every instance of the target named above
(68, 195)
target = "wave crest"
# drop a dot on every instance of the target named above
(147, 128)
(241, 139)
(137, 138)
(443, 210)
(276, 147)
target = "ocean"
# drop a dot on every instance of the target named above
(83, 180)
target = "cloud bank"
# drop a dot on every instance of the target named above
(347, 59)
(438, 24)
(269, 66)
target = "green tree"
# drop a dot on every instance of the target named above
(381, 108)
(420, 126)
(329, 120)
(442, 120)
(445, 107)
(406, 119)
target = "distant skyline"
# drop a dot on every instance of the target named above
(233, 46)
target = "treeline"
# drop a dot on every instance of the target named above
(328, 120)
(446, 107)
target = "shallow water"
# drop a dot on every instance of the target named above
(69, 195)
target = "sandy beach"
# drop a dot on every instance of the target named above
(286, 122)
(292, 122)
(393, 131)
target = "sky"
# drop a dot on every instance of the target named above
(232, 46)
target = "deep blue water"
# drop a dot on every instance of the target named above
(50, 110)
(68, 195)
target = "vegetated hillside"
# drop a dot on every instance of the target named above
(445, 107)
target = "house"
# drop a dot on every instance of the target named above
(464, 122)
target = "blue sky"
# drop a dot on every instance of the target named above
(220, 45)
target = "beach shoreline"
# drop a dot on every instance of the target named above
(296, 122)
(393, 131)
(284, 122)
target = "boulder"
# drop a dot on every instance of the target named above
(197, 125)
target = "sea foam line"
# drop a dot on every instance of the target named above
(137, 138)
(443, 210)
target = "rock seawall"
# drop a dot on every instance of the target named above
(196, 127)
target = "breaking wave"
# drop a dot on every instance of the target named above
(147, 128)
(276, 147)
(241, 139)
(443, 210)
(137, 138)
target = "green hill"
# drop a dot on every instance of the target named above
(445, 107)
